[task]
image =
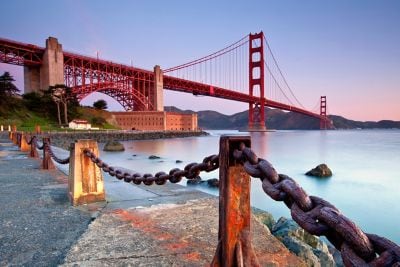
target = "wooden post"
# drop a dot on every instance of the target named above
(24, 144)
(47, 163)
(85, 181)
(234, 240)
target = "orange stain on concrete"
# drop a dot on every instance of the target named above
(145, 224)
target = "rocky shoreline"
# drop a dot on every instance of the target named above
(312, 249)
(64, 139)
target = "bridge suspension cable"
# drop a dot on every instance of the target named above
(269, 50)
(227, 68)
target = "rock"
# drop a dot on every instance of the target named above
(178, 161)
(322, 170)
(113, 146)
(197, 180)
(154, 157)
(134, 155)
(264, 217)
(309, 247)
(337, 256)
(213, 182)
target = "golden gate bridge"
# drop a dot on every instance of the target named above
(245, 71)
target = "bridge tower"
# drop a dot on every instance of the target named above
(323, 123)
(51, 71)
(256, 81)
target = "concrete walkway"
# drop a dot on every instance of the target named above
(167, 225)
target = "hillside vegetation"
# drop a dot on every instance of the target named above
(25, 113)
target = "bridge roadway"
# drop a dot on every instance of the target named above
(167, 225)
(23, 54)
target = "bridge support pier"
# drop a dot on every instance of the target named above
(50, 73)
(158, 97)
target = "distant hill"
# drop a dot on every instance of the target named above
(280, 120)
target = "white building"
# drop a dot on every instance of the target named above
(80, 125)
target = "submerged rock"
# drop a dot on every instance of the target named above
(322, 170)
(213, 182)
(309, 247)
(154, 157)
(113, 146)
(178, 161)
(197, 180)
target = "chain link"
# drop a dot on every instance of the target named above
(191, 171)
(49, 150)
(319, 217)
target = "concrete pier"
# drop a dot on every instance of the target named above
(50, 73)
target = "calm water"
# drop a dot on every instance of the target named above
(366, 166)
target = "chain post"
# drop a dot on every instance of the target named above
(47, 163)
(24, 144)
(234, 235)
(14, 137)
(37, 129)
(33, 152)
(19, 139)
(85, 182)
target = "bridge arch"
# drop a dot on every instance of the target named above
(129, 98)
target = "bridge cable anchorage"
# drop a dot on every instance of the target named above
(191, 171)
(319, 217)
(281, 73)
(208, 57)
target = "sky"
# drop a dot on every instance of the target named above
(346, 50)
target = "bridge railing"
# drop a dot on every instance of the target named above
(236, 162)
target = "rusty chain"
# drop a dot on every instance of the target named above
(191, 171)
(319, 217)
(49, 150)
(34, 139)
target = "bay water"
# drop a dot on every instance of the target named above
(365, 185)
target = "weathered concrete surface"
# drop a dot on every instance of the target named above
(167, 225)
(166, 235)
(37, 223)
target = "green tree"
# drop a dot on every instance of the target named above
(7, 87)
(100, 104)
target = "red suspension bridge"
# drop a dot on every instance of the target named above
(245, 71)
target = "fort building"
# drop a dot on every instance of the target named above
(156, 121)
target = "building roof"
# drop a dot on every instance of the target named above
(78, 121)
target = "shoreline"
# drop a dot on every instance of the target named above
(64, 139)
